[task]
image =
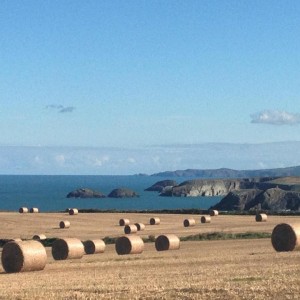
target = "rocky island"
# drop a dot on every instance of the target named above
(85, 193)
(122, 193)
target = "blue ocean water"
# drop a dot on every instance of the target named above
(48, 193)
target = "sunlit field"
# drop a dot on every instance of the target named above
(223, 269)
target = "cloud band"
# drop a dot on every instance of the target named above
(275, 117)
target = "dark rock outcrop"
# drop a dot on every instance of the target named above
(274, 199)
(85, 193)
(237, 200)
(160, 185)
(122, 193)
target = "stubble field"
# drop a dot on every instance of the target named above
(226, 269)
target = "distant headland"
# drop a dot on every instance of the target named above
(231, 173)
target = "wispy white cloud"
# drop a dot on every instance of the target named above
(156, 159)
(98, 162)
(60, 159)
(60, 108)
(37, 159)
(131, 160)
(276, 117)
(262, 165)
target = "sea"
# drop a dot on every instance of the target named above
(48, 193)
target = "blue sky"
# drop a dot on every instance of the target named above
(137, 74)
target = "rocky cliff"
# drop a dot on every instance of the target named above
(200, 187)
(276, 199)
(273, 199)
(213, 187)
(237, 200)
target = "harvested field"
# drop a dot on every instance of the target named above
(98, 225)
(231, 269)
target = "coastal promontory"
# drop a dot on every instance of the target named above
(160, 185)
(221, 187)
(243, 194)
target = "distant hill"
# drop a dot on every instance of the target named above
(230, 173)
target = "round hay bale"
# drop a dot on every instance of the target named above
(93, 246)
(23, 256)
(67, 248)
(23, 210)
(130, 229)
(15, 240)
(261, 218)
(154, 221)
(189, 222)
(286, 237)
(34, 210)
(124, 222)
(167, 242)
(131, 244)
(140, 226)
(73, 211)
(213, 213)
(205, 219)
(39, 237)
(64, 224)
